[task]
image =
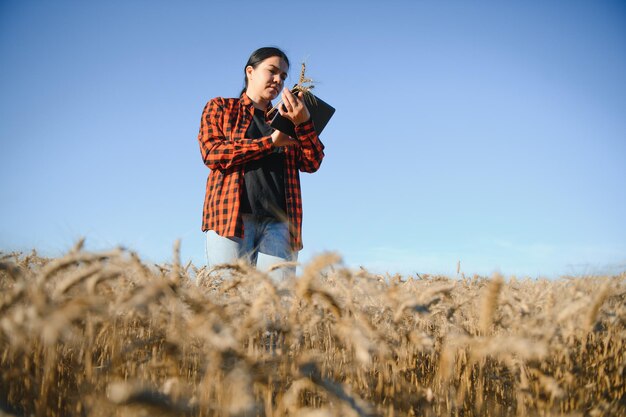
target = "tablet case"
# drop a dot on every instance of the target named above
(320, 112)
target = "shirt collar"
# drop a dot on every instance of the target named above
(245, 100)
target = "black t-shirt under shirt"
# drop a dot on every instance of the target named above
(264, 179)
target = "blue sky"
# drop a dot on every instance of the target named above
(487, 132)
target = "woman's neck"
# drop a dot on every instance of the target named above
(258, 102)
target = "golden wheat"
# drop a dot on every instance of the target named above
(103, 334)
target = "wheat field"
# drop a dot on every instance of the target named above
(105, 334)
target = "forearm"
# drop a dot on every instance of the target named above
(225, 154)
(221, 152)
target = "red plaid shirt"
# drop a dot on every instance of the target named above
(225, 151)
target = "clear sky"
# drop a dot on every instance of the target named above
(493, 133)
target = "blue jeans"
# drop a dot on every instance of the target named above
(265, 243)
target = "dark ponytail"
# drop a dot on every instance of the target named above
(257, 57)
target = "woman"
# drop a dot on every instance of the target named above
(253, 204)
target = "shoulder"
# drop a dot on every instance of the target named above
(224, 102)
(220, 105)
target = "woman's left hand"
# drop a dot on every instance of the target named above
(293, 108)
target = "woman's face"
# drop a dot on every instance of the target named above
(266, 81)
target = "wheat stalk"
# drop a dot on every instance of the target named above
(104, 334)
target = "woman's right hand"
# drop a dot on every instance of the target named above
(281, 139)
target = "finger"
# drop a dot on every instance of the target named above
(288, 93)
(288, 98)
(296, 105)
(296, 100)
(301, 101)
(283, 106)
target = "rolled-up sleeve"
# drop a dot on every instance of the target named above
(311, 147)
(220, 152)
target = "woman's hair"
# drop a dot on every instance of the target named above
(259, 56)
